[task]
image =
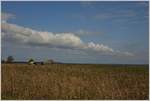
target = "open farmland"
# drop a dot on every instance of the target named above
(70, 81)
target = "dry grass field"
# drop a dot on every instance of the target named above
(68, 81)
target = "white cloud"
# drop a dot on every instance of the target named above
(99, 47)
(6, 16)
(32, 37)
(26, 35)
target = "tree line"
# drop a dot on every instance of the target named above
(10, 59)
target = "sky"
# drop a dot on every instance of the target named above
(112, 32)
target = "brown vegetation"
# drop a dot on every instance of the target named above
(62, 81)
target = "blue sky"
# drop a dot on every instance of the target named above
(76, 32)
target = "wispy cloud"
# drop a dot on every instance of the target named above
(6, 16)
(143, 3)
(87, 3)
(108, 15)
(115, 15)
(86, 32)
(28, 36)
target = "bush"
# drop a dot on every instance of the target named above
(10, 59)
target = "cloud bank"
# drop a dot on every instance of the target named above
(28, 36)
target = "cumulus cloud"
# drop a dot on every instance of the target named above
(30, 36)
(23, 35)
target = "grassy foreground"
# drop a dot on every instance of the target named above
(66, 81)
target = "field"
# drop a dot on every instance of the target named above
(70, 81)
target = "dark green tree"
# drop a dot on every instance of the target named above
(3, 61)
(31, 60)
(10, 59)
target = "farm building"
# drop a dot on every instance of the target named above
(31, 61)
(50, 61)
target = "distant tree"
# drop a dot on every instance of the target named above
(3, 61)
(10, 59)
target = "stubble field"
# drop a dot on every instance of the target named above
(70, 81)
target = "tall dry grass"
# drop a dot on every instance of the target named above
(62, 81)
